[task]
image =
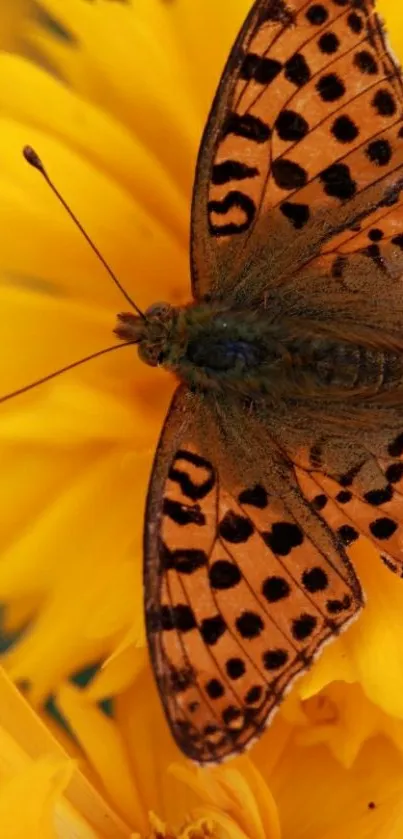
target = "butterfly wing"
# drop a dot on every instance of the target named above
(242, 589)
(353, 514)
(298, 205)
(303, 141)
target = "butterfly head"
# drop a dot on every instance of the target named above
(150, 332)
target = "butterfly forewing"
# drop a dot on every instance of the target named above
(303, 140)
(240, 598)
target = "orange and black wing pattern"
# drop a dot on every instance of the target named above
(239, 596)
(304, 141)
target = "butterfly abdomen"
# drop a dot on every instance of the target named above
(346, 369)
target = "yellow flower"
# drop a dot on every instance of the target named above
(312, 795)
(113, 96)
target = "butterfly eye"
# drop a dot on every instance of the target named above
(160, 311)
(151, 354)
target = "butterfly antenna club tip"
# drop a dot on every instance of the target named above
(33, 159)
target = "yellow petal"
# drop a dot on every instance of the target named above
(343, 718)
(268, 812)
(84, 585)
(372, 645)
(315, 795)
(38, 787)
(103, 744)
(237, 800)
(136, 98)
(41, 100)
(139, 716)
(35, 770)
(223, 826)
(121, 669)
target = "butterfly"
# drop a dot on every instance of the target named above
(283, 444)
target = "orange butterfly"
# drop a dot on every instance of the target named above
(284, 441)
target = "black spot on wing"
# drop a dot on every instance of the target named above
(255, 496)
(328, 43)
(211, 629)
(317, 14)
(314, 580)
(249, 624)
(337, 182)
(348, 534)
(275, 588)
(303, 626)
(215, 689)
(254, 695)
(167, 618)
(289, 175)
(291, 126)
(330, 87)
(274, 659)
(297, 214)
(234, 199)
(355, 23)
(383, 528)
(379, 152)
(180, 680)
(376, 497)
(231, 715)
(183, 560)
(234, 528)
(344, 129)
(259, 69)
(394, 473)
(365, 62)
(235, 668)
(248, 126)
(395, 448)
(191, 489)
(334, 607)
(347, 479)
(375, 234)
(232, 170)
(183, 514)
(384, 103)
(319, 502)
(344, 496)
(283, 537)
(224, 574)
(296, 70)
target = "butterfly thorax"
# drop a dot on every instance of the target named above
(211, 347)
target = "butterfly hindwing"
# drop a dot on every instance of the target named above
(304, 141)
(239, 597)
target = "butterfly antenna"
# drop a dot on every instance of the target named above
(34, 160)
(59, 372)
